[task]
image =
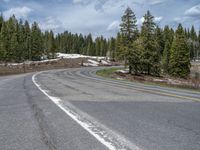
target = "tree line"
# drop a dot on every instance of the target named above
(150, 50)
(20, 41)
(153, 50)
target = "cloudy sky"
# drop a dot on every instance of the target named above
(100, 17)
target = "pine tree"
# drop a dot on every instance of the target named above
(168, 38)
(89, 45)
(27, 41)
(135, 55)
(98, 46)
(112, 48)
(21, 53)
(3, 42)
(192, 50)
(179, 55)
(1, 21)
(150, 53)
(129, 32)
(51, 45)
(193, 34)
(36, 42)
(160, 39)
(12, 36)
(119, 47)
(166, 57)
(168, 34)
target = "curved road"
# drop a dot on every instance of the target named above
(73, 109)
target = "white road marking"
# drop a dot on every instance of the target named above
(110, 139)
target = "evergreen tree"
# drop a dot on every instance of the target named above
(150, 53)
(1, 21)
(135, 55)
(168, 38)
(160, 39)
(103, 46)
(27, 36)
(11, 54)
(168, 34)
(112, 48)
(36, 42)
(21, 53)
(179, 55)
(119, 47)
(89, 45)
(98, 46)
(191, 49)
(51, 45)
(166, 57)
(193, 34)
(4, 41)
(129, 32)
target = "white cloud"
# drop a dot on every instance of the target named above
(193, 12)
(155, 2)
(151, 2)
(113, 26)
(50, 23)
(158, 19)
(19, 12)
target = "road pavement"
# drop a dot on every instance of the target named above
(73, 109)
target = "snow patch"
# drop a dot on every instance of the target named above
(93, 62)
(123, 71)
(90, 64)
(73, 56)
(104, 62)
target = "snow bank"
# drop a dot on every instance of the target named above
(104, 62)
(90, 65)
(73, 56)
(93, 62)
(123, 71)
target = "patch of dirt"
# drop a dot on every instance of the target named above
(40, 66)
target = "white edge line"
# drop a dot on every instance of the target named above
(57, 101)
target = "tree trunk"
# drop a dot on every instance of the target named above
(136, 69)
(130, 69)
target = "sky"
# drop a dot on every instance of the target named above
(100, 17)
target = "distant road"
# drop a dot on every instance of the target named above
(73, 109)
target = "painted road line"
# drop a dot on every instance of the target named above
(127, 85)
(107, 137)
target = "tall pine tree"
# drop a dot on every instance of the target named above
(4, 42)
(36, 42)
(179, 55)
(129, 32)
(150, 53)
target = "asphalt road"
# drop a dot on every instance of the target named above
(74, 109)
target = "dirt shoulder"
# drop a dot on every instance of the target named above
(40, 66)
(190, 83)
